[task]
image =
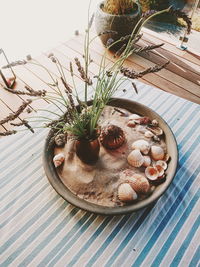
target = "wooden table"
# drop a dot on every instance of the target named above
(181, 77)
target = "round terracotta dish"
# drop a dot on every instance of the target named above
(64, 192)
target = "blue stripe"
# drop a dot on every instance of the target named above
(175, 232)
(41, 229)
(165, 221)
(26, 190)
(188, 239)
(84, 248)
(20, 183)
(109, 239)
(177, 177)
(79, 228)
(196, 258)
(26, 203)
(17, 234)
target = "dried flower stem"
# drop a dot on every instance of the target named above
(15, 115)
(8, 133)
(30, 92)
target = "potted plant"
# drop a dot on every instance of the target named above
(117, 17)
(78, 118)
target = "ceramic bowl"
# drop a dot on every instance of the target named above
(62, 190)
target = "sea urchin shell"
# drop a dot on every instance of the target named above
(112, 137)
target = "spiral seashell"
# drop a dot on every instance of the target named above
(161, 163)
(147, 161)
(154, 122)
(58, 159)
(155, 130)
(135, 158)
(112, 137)
(148, 134)
(60, 139)
(142, 145)
(126, 193)
(139, 183)
(157, 153)
(151, 173)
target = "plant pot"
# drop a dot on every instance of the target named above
(122, 24)
(88, 150)
(133, 107)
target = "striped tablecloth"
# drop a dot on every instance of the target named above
(39, 228)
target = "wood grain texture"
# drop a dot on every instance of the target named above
(181, 77)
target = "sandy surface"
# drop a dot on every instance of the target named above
(98, 183)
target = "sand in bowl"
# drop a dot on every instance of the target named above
(99, 183)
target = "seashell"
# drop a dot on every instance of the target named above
(154, 122)
(131, 123)
(135, 158)
(142, 145)
(139, 183)
(125, 174)
(147, 161)
(148, 134)
(155, 130)
(161, 163)
(126, 193)
(60, 139)
(151, 173)
(160, 170)
(112, 137)
(58, 159)
(160, 180)
(134, 117)
(157, 152)
(143, 120)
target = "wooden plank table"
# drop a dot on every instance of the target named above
(181, 77)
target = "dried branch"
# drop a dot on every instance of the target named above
(15, 115)
(23, 122)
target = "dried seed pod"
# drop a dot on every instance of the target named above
(142, 145)
(126, 193)
(58, 159)
(135, 158)
(112, 137)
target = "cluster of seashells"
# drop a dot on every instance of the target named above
(151, 159)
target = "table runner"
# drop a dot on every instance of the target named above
(39, 228)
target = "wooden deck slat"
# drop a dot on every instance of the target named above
(166, 73)
(160, 80)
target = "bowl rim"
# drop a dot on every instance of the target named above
(65, 193)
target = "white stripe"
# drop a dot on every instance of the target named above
(185, 229)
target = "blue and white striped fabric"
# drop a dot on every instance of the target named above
(39, 228)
